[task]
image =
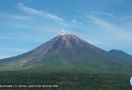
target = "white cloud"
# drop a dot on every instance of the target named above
(14, 16)
(112, 32)
(14, 49)
(113, 16)
(103, 14)
(32, 11)
(101, 23)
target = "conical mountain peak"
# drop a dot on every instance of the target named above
(65, 50)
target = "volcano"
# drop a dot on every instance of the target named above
(69, 52)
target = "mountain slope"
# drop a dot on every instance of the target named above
(120, 54)
(66, 51)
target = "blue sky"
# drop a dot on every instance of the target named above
(26, 24)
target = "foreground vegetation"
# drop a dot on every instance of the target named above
(67, 80)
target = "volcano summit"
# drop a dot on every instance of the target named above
(68, 52)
